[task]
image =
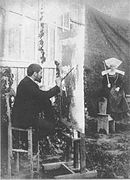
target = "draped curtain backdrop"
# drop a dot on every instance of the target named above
(105, 37)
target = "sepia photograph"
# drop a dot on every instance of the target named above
(65, 89)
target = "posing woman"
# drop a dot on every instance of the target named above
(113, 89)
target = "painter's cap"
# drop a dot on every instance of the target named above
(113, 62)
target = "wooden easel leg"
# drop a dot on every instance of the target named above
(82, 154)
(68, 150)
(76, 153)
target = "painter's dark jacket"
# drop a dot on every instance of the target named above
(29, 101)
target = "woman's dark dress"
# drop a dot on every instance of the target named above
(117, 105)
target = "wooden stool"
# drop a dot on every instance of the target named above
(29, 150)
(104, 122)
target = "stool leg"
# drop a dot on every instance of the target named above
(17, 163)
(113, 126)
(9, 135)
(30, 150)
(9, 150)
(82, 154)
(38, 160)
(107, 125)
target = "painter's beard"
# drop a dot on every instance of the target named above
(38, 80)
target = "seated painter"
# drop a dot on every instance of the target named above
(113, 89)
(30, 101)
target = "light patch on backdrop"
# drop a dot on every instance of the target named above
(115, 8)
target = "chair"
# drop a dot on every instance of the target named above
(29, 150)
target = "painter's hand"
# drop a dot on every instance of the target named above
(58, 81)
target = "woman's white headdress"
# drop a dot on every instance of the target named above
(113, 62)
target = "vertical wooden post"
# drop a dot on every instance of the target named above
(38, 151)
(30, 151)
(68, 149)
(113, 125)
(82, 154)
(76, 153)
(9, 149)
(9, 136)
(17, 162)
(38, 161)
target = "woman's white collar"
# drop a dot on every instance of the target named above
(108, 71)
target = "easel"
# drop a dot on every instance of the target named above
(78, 145)
(77, 167)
